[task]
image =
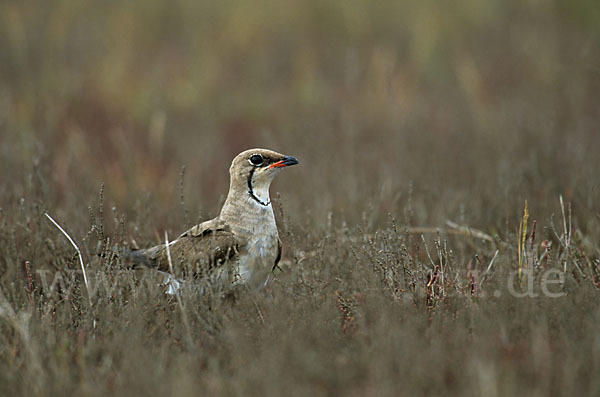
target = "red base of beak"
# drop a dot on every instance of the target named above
(278, 164)
(284, 162)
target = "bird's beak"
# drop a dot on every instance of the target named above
(284, 162)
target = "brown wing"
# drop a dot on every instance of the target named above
(204, 227)
(201, 248)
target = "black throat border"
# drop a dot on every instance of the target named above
(251, 191)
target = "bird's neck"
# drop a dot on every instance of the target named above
(260, 194)
(248, 206)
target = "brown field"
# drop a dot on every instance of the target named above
(424, 130)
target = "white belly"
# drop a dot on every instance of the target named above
(256, 261)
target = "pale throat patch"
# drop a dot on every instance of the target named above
(260, 187)
(262, 193)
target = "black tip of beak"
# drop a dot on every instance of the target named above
(289, 160)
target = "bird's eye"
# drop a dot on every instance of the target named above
(256, 159)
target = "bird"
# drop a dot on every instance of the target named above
(241, 245)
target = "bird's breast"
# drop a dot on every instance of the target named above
(257, 258)
(255, 226)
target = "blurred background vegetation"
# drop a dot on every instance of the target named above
(480, 104)
(426, 110)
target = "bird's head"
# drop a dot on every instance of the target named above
(253, 170)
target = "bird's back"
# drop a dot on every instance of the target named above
(200, 249)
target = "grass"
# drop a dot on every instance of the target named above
(441, 234)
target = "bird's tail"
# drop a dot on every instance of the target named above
(135, 257)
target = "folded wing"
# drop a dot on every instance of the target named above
(201, 248)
